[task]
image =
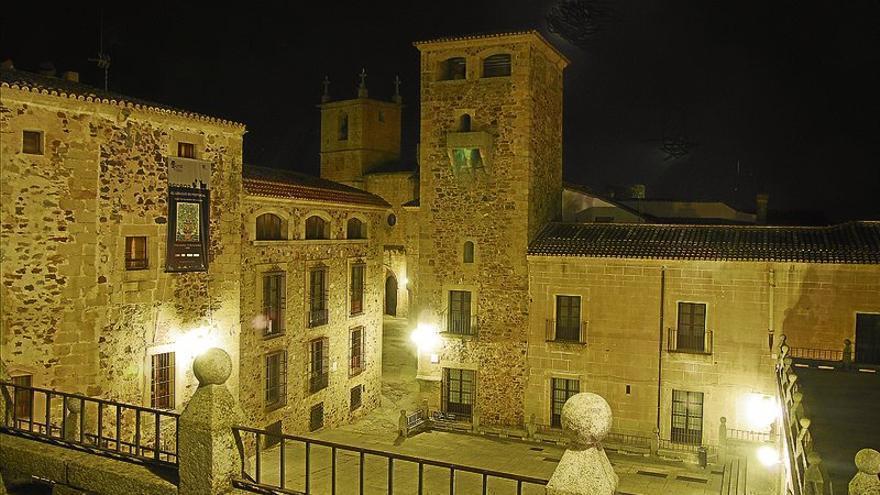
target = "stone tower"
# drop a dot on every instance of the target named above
(491, 177)
(358, 136)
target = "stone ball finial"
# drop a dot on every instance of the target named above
(586, 419)
(212, 367)
(805, 422)
(784, 348)
(868, 461)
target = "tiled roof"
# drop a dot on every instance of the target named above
(38, 83)
(273, 183)
(853, 242)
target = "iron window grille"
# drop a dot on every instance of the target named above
(687, 417)
(274, 303)
(316, 417)
(358, 271)
(319, 364)
(318, 308)
(136, 253)
(459, 389)
(561, 390)
(276, 379)
(356, 351)
(162, 381)
(356, 397)
(459, 318)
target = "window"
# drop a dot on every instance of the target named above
(464, 123)
(270, 228)
(687, 417)
(356, 229)
(357, 288)
(561, 390)
(319, 360)
(356, 351)
(568, 319)
(317, 228)
(316, 417)
(392, 219)
(453, 68)
(318, 312)
(497, 65)
(186, 150)
(459, 387)
(691, 334)
(276, 379)
(460, 312)
(24, 398)
(136, 253)
(274, 302)
(343, 127)
(468, 252)
(356, 393)
(466, 160)
(162, 382)
(32, 142)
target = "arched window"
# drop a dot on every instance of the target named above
(468, 252)
(343, 127)
(317, 228)
(270, 228)
(464, 123)
(497, 65)
(356, 229)
(453, 68)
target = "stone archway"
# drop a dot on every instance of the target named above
(391, 294)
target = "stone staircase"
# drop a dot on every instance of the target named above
(733, 481)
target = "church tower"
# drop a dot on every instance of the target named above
(358, 135)
(491, 177)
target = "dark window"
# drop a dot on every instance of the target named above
(464, 123)
(23, 398)
(562, 390)
(276, 378)
(453, 68)
(496, 65)
(356, 394)
(343, 127)
(357, 288)
(136, 253)
(459, 388)
(468, 252)
(317, 228)
(568, 318)
(316, 417)
(162, 383)
(356, 229)
(186, 150)
(32, 142)
(318, 312)
(460, 312)
(274, 301)
(691, 335)
(270, 228)
(319, 364)
(356, 351)
(867, 338)
(392, 219)
(687, 417)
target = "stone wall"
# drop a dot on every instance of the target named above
(72, 315)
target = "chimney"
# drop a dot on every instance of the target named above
(70, 75)
(761, 201)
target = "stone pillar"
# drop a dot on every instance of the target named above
(71, 421)
(655, 441)
(531, 426)
(207, 449)
(865, 482)
(401, 424)
(584, 468)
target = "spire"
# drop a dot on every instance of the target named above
(397, 98)
(326, 96)
(362, 87)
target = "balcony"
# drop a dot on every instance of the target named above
(689, 343)
(566, 331)
(461, 324)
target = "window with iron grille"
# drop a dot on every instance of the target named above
(136, 253)
(186, 150)
(459, 388)
(316, 417)
(568, 318)
(459, 312)
(687, 417)
(162, 382)
(357, 288)
(23, 397)
(270, 228)
(319, 364)
(496, 65)
(691, 335)
(32, 142)
(318, 309)
(355, 228)
(317, 228)
(274, 302)
(561, 390)
(356, 351)
(276, 379)
(356, 393)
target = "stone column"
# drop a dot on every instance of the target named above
(865, 482)
(208, 453)
(584, 468)
(71, 422)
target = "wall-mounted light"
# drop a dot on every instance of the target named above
(195, 342)
(425, 337)
(768, 456)
(761, 411)
(403, 282)
(435, 358)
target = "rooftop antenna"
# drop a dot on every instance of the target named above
(102, 59)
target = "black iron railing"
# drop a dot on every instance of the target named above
(748, 435)
(566, 330)
(133, 432)
(318, 380)
(691, 343)
(461, 324)
(258, 480)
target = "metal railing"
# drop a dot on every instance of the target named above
(318, 380)
(685, 443)
(256, 481)
(689, 343)
(461, 324)
(796, 470)
(748, 435)
(816, 354)
(571, 331)
(318, 317)
(628, 440)
(132, 432)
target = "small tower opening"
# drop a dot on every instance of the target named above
(343, 127)
(464, 123)
(453, 68)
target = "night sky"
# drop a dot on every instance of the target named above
(786, 89)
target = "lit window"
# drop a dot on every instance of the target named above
(162, 382)
(186, 150)
(356, 351)
(273, 303)
(276, 379)
(561, 390)
(32, 142)
(356, 229)
(453, 69)
(466, 159)
(497, 65)
(136, 253)
(270, 228)
(317, 228)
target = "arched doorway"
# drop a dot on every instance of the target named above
(391, 295)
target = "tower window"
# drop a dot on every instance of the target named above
(317, 228)
(32, 142)
(464, 123)
(468, 252)
(453, 69)
(270, 228)
(343, 127)
(186, 150)
(497, 65)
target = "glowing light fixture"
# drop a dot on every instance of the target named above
(768, 456)
(403, 282)
(425, 337)
(761, 411)
(195, 342)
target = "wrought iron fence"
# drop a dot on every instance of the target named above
(133, 432)
(257, 480)
(748, 435)
(697, 343)
(567, 330)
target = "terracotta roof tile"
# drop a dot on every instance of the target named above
(268, 182)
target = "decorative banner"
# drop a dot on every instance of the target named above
(189, 207)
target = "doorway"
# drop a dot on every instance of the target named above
(391, 295)
(867, 338)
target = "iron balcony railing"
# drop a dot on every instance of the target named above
(691, 343)
(461, 324)
(566, 330)
(132, 432)
(815, 354)
(748, 435)
(318, 453)
(318, 317)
